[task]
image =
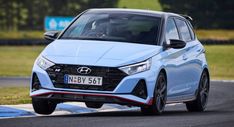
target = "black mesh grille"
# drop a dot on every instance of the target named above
(111, 77)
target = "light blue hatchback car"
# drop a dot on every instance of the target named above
(123, 56)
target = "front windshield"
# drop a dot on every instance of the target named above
(123, 27)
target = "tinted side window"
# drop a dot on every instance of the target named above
(184, 30)
(171, 30)
(191, 31)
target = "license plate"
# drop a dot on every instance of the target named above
(83, 80)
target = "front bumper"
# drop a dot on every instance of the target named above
(63, 96)
(122, 94)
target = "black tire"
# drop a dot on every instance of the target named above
(43, 106)
(199, 104)
(160, 96)
(93, 104)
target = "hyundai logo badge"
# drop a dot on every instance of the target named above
(84, 70)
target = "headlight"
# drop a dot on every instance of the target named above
(137, 68)
(44, 63)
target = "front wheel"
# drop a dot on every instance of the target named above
(199, 104)
(160, 96)
(43, 106)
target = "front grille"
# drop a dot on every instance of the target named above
(111, 77)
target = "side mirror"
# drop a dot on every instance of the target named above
(176, 44)
(51, 35)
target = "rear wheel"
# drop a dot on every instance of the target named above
(160, 96)
(42, 106)
(93, 104)
(199, 104)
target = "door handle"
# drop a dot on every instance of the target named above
(185, 57)
(201, 50)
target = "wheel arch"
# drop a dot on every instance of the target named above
(208, 73)
(163, 70)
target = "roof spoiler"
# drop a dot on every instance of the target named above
(187, 17)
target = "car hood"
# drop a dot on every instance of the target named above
(98, 53)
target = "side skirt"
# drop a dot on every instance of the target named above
(181, 99)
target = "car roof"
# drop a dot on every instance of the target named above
(136, 11)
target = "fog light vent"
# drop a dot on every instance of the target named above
(36, 85)
(140, 89)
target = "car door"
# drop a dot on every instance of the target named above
(174, 63)
(192, 65)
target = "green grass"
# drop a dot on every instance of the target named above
(215, 34)
(18, 60)
(21, 34)
(202, 34)
(14, 95)
(221, 61)
(140, 4)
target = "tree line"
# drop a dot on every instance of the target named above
(29, 14)
(207, 14)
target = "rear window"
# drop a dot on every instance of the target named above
(191, 31)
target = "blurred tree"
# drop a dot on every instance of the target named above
(207, 14)
(30, 14)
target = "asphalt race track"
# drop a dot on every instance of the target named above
(220, 113)
(14, 81)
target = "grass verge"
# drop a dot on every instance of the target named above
(215, 34)
(21, 34)
(221, 61)
(202, 34)
(14, 95)
(140, 4)
(18, 60)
